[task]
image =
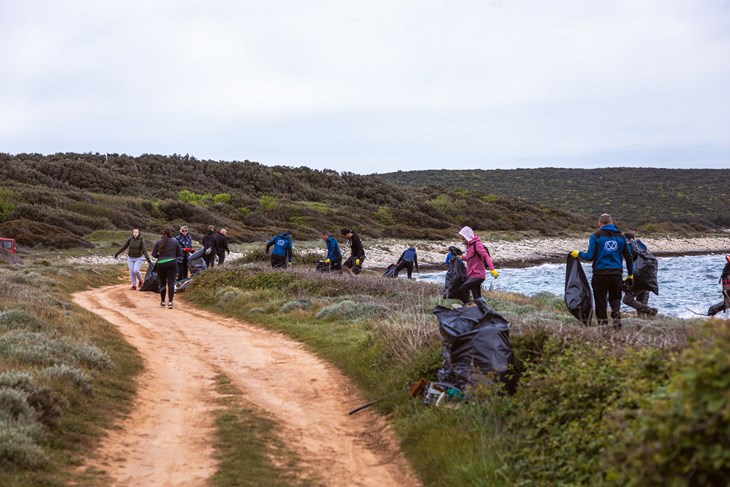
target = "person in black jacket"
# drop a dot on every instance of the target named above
(357, 252)
(634, 296)
(221, 245)
(167, 250)
(725, 281)
(211, 249)
(407, 260)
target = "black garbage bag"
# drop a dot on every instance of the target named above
(645, 272)
(475, 346)
(356, 269)
(196, 261)
(322, 266)
(455, 277)
(151, 282)
(390, 271)
(578, 295)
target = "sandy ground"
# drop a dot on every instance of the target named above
(166, 440)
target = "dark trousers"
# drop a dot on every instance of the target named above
(350, 262)
(639, 300)
(182, 268)
(607, 291)
(209, 260)
(405, 264)
(278, 261)
(336, 264)
(474, 285)
(221, 258)
(166, 274)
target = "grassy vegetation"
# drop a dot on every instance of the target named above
(647, 405)
(651, 198)
(248, 449)
(65, 374)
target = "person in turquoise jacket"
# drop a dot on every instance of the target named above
(334, 255)
(607, 249)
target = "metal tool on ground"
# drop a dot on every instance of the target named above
(413, 391)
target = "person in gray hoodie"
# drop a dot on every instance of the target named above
(137, 249)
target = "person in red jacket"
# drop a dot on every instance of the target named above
(477, 261)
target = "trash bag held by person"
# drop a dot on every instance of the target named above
(723, 305)
(357, 252)
(334, 255)
(607, 249)
(578, 296)
(645, 278)
(282, 251)
(455, 276)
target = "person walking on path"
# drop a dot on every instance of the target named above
(407, 260)
(209, 244)
(221, 245)
(636, 297)
(606, 248)
(283, 249)
(357, 252)
(334, 255)
(725, 280)
(167, 250)
(136, 254)
(186, 243)
(477, 261)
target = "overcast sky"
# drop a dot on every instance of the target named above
(372, 86)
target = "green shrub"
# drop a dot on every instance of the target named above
(40, 348)
(384, 215)
(18, 445)
(187, 196)
(268, 202)
(17, 319)
(351, 311)
(222, 198)
(296, 304)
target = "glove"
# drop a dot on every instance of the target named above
(326, 261)
(188, 249)
(629, 281)
(494, 273)
(574, 254)
(357, 261)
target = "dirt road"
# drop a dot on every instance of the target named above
(167, 439)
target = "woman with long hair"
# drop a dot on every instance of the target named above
(136, 254)
(166, 251)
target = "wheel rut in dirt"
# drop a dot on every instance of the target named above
(167, 439)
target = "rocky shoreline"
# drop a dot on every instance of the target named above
(505, 253)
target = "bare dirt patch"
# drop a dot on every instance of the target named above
(167, 438)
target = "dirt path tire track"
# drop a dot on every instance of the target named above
(167, 438)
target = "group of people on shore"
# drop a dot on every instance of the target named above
(173, 255)
(608, 249)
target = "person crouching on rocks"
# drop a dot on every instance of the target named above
(477, 261)
(137, 249)
(167, 250)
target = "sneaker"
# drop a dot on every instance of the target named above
(169, 305)
(162, 304)
(134, 288)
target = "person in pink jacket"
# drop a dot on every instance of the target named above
(477, 261)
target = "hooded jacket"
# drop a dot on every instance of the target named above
(282, 245)
(606, 247)
(356, 248)
(477, 259)
(333, 249)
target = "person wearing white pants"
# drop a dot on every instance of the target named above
(136, 254)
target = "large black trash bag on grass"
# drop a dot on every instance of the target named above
(151, 282)
(196, 261)
(475, 346)
(578, 295)
(645, 273)
(455, 277)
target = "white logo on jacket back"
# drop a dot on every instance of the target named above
(610, 246)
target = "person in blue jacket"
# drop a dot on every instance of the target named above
(407, 260)
(606, 248)
(283, 249)
(334, 255)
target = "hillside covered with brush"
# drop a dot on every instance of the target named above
(694, 198)
(55, 199)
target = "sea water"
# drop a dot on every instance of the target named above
(686, 284)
